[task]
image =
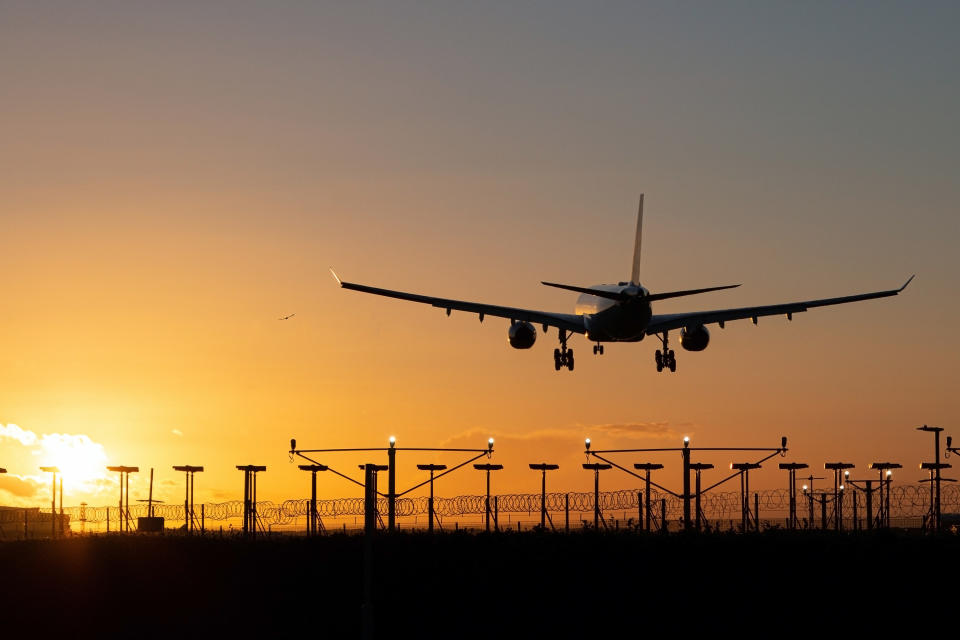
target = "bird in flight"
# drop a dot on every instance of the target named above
(287, 317)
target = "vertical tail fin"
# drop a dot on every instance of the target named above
(635, 274)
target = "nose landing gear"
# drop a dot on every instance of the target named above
(598, 349)
(666, 358)
(563, 357)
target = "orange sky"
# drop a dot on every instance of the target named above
(173, 183)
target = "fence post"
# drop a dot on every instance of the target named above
(566, 510)
(663, 515)
(756, 512)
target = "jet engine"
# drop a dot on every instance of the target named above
(522, 335)
(694, 338)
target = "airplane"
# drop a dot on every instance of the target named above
(619, 312)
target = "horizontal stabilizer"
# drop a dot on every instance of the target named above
(688, 292)
(612, 295)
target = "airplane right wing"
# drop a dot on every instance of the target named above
(569, 322)
(668, 321)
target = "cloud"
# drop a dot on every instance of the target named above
(641, 429)
(477, 437)
(20, 486)
(176, 432)
(82, 463)
(13, 432)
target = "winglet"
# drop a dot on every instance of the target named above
(335, 276)
(909, 280)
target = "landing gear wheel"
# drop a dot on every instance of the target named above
(570, 360)
(600, 348)
(665, 358)
(557, 360)
(595, 350)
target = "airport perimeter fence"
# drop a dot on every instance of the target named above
(909, 504)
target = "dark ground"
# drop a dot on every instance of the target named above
(467, 585)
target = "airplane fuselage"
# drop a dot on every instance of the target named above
(612, 321)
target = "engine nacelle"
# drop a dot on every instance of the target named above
(694, 338)
(522, 335)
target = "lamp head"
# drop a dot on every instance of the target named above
(949, 441)
(805, 488)
(686, 441)
(393, 441)
(490, 444)
(293, 444)
(586, 443)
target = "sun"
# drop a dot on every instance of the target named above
(82, 461)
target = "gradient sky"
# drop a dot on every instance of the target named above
(176, 176)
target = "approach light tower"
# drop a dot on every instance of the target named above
(124, 491)
(596, 467)
(543, 467)
(935, 480)
(189, 524)
(487, 467)
(838, 468)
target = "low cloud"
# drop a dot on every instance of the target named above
(81, 461)
(19, 486)
(641, 429)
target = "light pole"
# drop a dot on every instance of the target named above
(188, 511)
(596, 467)
(431, 468)
(883, 506)
(488, 468)
(934, 469)
(837, 468)
(791, 468)
(392, 483)
(648, 467)
(543, 467)
(697, 468)
(250, 472)
(124, 491)
(312, 513)
(744, 469)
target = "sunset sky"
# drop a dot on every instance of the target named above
(177, 176)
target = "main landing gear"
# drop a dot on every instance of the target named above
(665, 358)
(598, 349)
(563, 357)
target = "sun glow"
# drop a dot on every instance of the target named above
(81, 461)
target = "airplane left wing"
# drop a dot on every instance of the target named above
(668, 321)
(565, 321)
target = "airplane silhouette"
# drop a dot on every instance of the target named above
(619, 312)
(287, 317)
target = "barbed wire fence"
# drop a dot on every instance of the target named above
(906, 502)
